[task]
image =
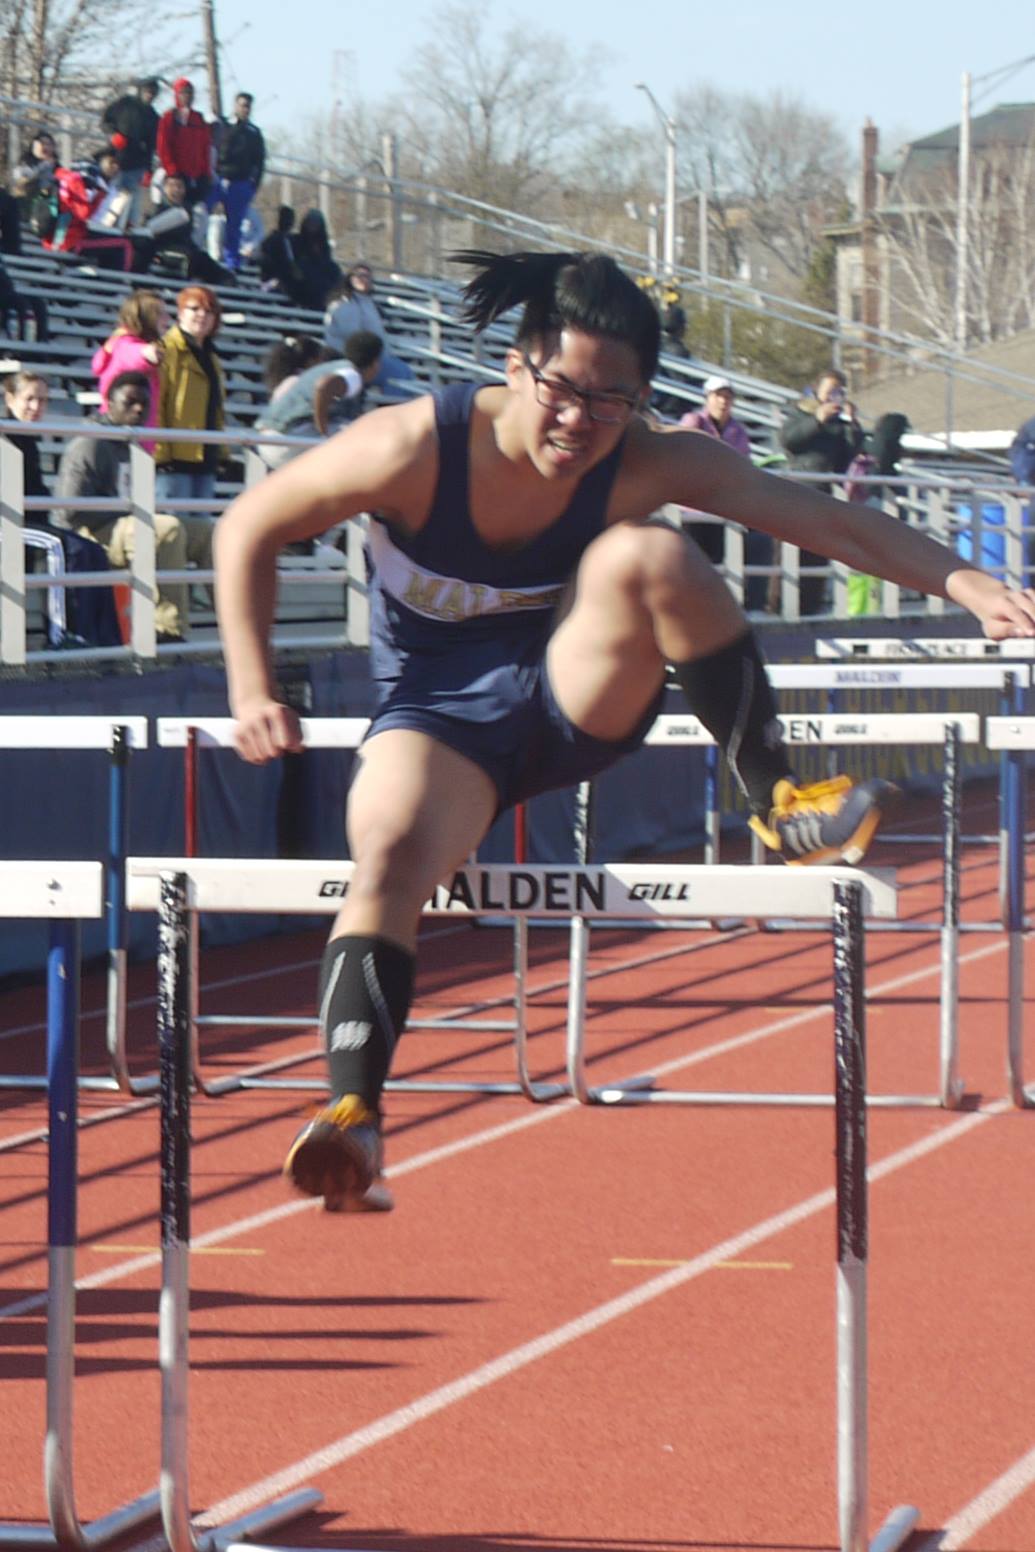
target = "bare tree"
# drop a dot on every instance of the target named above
(794, 163)
(497, 119)
(919, 228)
(773, 170)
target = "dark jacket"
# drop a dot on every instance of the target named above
(32, 473)
(92, 467)
(819, 448)
(132, 125)
(242, 153)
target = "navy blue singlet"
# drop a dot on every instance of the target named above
(458, 631)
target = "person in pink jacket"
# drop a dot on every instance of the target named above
(135, 345)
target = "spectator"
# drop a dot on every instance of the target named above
(26, 395)
(131, 124)
(81, 192)
(322, 398)
(135, 345)
(673, 343)
(716, 419)
(91, 466)
(34, 183)
(242, 160)
(191, 396)
(22, 315)
(278, 268)
(76, 616)
(885, 445)
(184, 145)
(166, 240)
(319, 273)
(286, 360)
(112, 213)
(821, 435)
(357, 310)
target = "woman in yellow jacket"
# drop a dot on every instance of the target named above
(191, 396)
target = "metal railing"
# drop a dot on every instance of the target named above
(988, 521)
(420, 222)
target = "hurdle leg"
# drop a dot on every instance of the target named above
(175, 1060)
(115, 889)
(578, 963)
(950, 1086)
(66, 1529)
(853, 1236)
(1022, 1096)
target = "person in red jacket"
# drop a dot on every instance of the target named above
(81, 191)
(184, 144)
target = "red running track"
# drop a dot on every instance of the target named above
(581, 1328)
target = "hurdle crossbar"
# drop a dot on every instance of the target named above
(65, 894)
(921, 649)
(192, 734)
(176, 887)
(118, 736)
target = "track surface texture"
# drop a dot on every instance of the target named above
(583, 1329)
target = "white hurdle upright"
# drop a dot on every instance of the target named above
(194, 734)
(117, 735)
(65, 894)
(179, 887)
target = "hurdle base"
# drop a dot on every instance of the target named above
(897, 1528)
(240, 1531)
(100, 1533)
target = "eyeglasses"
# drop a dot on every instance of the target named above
(607, 409)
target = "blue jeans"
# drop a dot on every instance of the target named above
(130, 180)
(237, 196)
(173, 485)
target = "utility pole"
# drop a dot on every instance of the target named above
(208, 29)
(668, 125)
(963, 215)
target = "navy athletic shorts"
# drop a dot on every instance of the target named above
(502, 715)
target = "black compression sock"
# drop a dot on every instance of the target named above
(729, 692)
(366, 984)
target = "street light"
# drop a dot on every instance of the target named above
(668, 124)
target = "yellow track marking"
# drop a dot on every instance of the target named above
(199, 1250)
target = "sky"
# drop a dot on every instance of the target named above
(899, 62)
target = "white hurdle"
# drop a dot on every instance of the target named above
(828, 729)
(65, 894)
(194, 734)
(180, 887)
(118, 736)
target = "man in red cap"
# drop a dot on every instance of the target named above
(184, 148)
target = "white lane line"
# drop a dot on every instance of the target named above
(495, 1133)
(507, 1364)
(997, 1497)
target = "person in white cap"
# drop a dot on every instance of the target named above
(715, 419)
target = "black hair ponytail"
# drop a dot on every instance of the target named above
(586, 291)
(506, 280)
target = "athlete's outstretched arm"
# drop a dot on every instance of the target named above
(387, 461)
(700, 472)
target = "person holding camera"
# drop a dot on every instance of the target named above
(821, 435)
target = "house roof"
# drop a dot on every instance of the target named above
(978, 405)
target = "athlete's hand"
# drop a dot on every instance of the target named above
(1003, 612)
(265, 730)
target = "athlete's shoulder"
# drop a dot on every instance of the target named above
(660, 463)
